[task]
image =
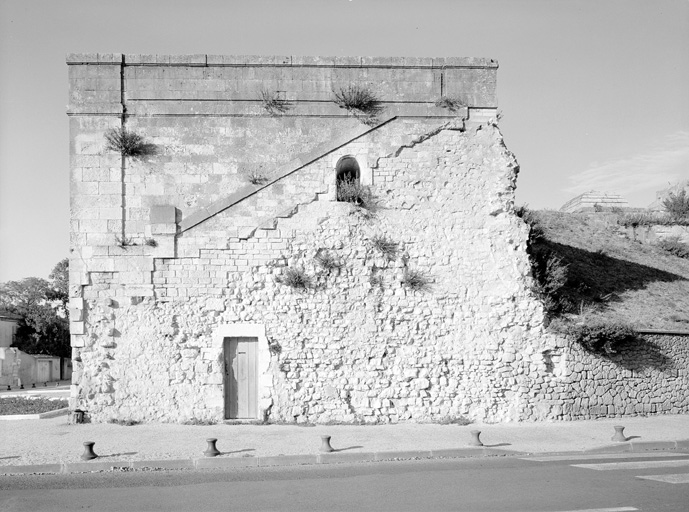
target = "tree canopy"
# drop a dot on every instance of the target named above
(42, 306)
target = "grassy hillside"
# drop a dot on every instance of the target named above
(610, 276)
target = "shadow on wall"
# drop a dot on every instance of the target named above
(639, 354)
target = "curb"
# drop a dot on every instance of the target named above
(322, 458)
(41, 416)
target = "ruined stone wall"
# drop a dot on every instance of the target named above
(205, 252)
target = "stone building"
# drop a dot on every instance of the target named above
(594, 201)
(217, 276)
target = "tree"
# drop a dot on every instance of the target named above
(42, 306)
(677, 205)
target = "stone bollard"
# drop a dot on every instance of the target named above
(325, 444)
(211, 450)
(88, 451)
(475, 441)
(619, 435)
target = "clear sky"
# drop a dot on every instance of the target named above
(594, 94)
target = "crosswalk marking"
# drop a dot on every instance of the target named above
(595, 456)
(649, 464)
(680, 478)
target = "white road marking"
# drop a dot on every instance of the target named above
(595, 456)
(616, 509)
(680, 478)
(648, 464)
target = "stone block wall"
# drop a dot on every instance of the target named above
(175, 252)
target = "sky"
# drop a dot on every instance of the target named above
(594, 94)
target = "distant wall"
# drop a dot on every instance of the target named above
(7, 331)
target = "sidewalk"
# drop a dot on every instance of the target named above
(56, 446)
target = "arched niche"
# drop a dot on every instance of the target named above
(347, 171)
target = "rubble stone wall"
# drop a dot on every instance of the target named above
(175, 252)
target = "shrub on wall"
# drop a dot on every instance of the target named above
(598, 337)
(385, 246)
(450, 103)
(416, 281)
(273, 103)
(294, 278)
(327, 261)
(351, 191)
(128, 143)
(360, 101)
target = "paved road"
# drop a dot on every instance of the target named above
(611, 483)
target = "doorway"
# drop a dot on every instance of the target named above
(241, 377)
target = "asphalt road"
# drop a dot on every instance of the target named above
(614, 483)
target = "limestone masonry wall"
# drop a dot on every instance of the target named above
(175, 253)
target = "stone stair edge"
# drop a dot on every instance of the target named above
(282, 171)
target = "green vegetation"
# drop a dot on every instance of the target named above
(674, 247)
(636, 219)
(677, 205)
(273, 103)
(124, 241)
(294, 278)
(42, 307)
(385, 246)
(452, 104)
(586, 270)
(416, 281)
(327, 261)
(600, 337)
(29, 405)
(128, 144)
(351, 191)
(360, 101)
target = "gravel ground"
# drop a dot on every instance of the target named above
(54, 440)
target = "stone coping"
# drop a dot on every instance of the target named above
(663, 331)
(278, 60)
(337, 457)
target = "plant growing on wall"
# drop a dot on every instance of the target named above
(352, 191)
(294, 278)
(129, 144)
(415, 280)
(598, 337)
(124, 241)
(385, 246)
(273, 103)
(255, 177)
(360, 101)
(327, 261)
(450, 103)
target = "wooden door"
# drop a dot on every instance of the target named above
(43, 371)
(241, 378)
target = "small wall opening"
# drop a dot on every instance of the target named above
(347, 173)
